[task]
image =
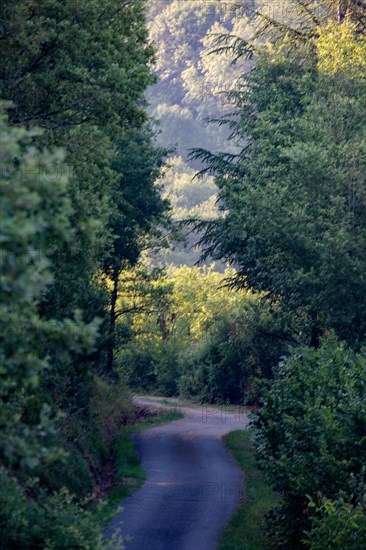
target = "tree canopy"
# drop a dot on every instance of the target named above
(294, 196)
(79, 168)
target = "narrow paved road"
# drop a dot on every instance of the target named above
(193, 485)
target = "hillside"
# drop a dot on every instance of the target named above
(190, 89)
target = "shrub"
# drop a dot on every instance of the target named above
(110, 407)
(238, 348)
(55, 522)
(341, 526)
(311, 432)
(136, 367)
(73, 472)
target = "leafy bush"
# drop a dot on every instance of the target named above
(238, 348)
(341, 526)
(88, 438)
(55, 522)
(311, 432)
(136, 367)
(110, 407)
(74, 472)
(42, 507)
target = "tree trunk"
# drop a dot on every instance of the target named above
(112, 322)
(315, 334)
(341, 11)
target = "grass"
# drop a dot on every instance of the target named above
(246, 529)
(129, 474)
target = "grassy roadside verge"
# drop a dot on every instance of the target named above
(245, 530)
(128, 475)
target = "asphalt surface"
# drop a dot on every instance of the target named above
(193, 485)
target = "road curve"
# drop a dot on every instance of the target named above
(193, 485)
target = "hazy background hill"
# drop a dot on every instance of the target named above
(187, 93)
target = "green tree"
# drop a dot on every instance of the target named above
(65, 67)
(81, 75)
(188, 333)
(341, 526)
(295, 196)
(139, 210)
(34, 218)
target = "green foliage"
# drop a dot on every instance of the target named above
(237, 350)
(110, 406)
(82, 78)
(89, 439)
(58, 522)
(139, 210)
(295, 227)
(245, 530)
(295, 196)
(190, 199)
(189, 78)
(34, 217)
(74, 472)
(74, 219)
(341, 50)
(80, 75)
(139, 207)
(65, 68)
(188, 196)
(187, 93)
(27, 227)
(311, 431)
(200, 339)
(341, 526)
(295, 22)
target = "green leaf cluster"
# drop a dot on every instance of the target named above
(311, 438)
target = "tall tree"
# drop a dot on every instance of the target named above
(139, 210)
(295, 195)
(80, 73)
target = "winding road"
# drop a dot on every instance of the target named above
(193, 485)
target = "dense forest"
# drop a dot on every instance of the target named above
(125, 129)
